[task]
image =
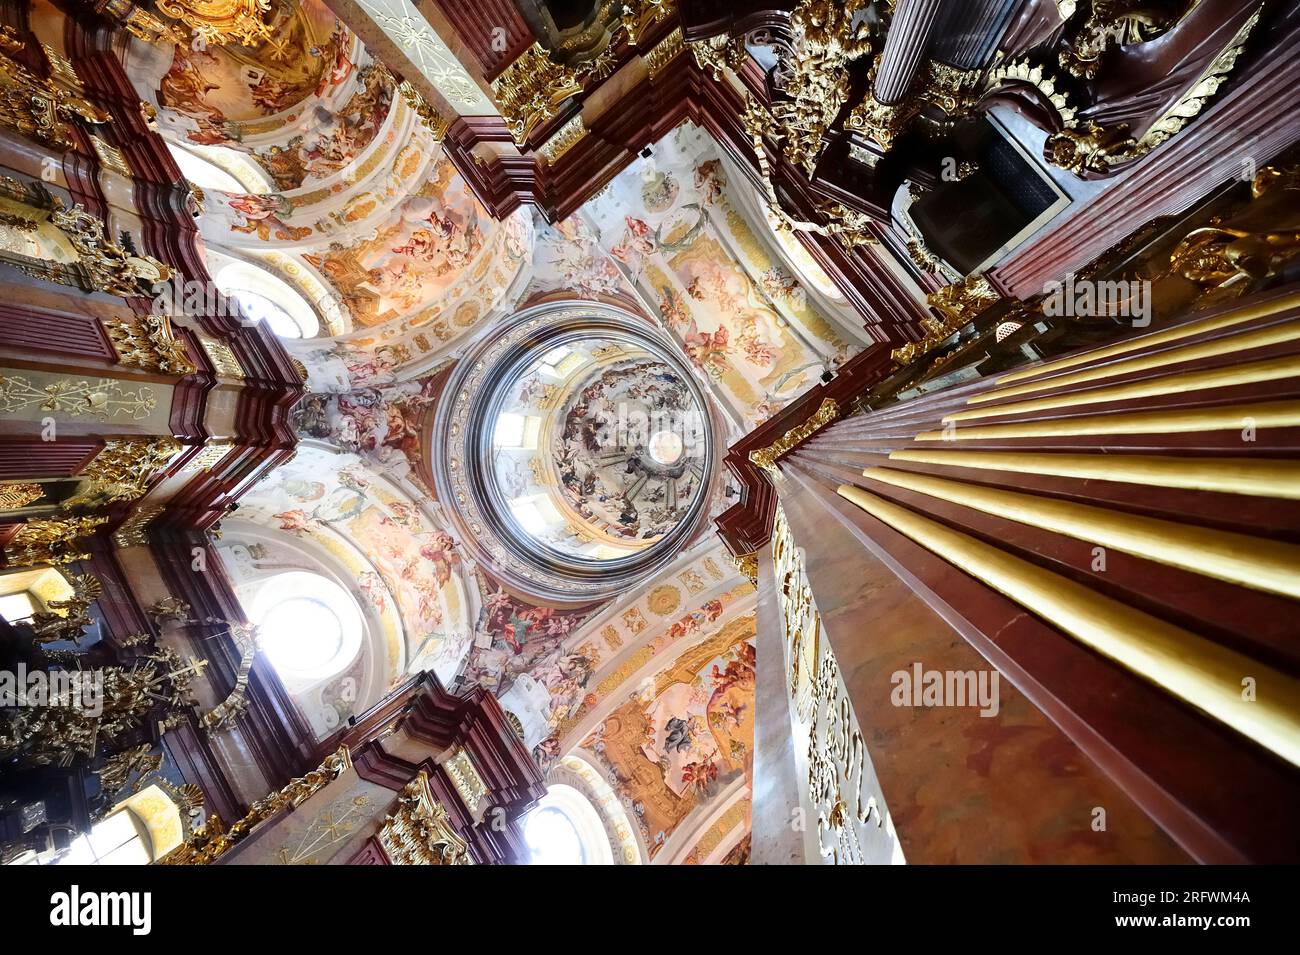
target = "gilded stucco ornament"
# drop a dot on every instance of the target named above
(1112, 23)
(109, 267)
(122, 469)
(766, 457)
(37, 107)
(18, 495)
(221, 21)
(149, 342)
(1233, 254)
(419, 830)
(211, 841)
(823, 42)
(51, 541)
(958, 305)
(1091, 148)
(67, 619)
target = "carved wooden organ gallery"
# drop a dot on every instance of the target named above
(1094, 504)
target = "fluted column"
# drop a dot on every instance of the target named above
(905, 45)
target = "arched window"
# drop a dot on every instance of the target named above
(565, 829)
(264, 297)
(310, 627)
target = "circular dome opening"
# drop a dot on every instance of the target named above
(596, 450)
(578, 452)
(666, 447)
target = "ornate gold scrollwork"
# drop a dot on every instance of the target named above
(419, 831)
(766, 457)
(103, 397)
(109, 267)
(465, 777)
(37, 107)
(18, 495)
(141, 23)
(51, 541)
(67, 619)
(823, 42)
(229, 711)
(747, 564)
(531, 90)
(433, 121)
(121, 471)
(1233, 254)
(210, 841)
(149, 343)
(836, 754)
(718, 54)
(1112, 23)
(959, 304)
(1092, 148)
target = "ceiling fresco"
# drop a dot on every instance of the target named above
(598, 450)
(406, 562)
(671, 226)
(232, 91)
(673, 747)
(315, 171)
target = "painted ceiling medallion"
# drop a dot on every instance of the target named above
(578, 449)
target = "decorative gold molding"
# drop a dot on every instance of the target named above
(134, 531)
(209, 842)
(103, 397)
(959, 304)
(149, 342)
(664, 52)
(765, 458)
(102, 265)
(51, 541)
(122, 469)
(434, 121)
(565, 138)
(19, 495)
(36, 107)
(142, 24)
(531, 90)
(231, 710)
(110, 156)
(419, 830)
(223, 358)
(747, 564)
(464, 776)
(1092, 148)
(221, 21)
